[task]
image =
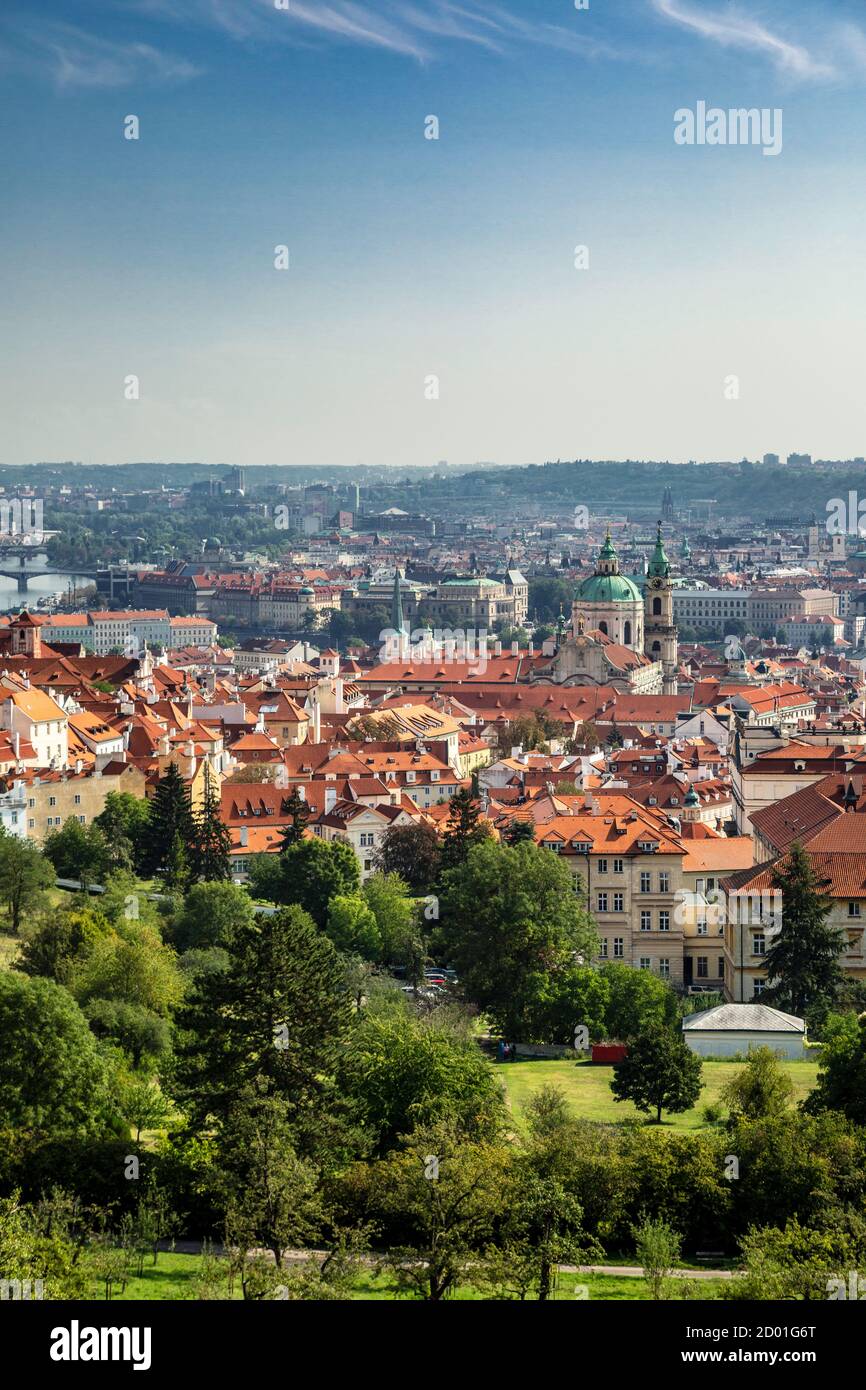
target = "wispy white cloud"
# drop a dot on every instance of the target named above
(415, 28)
(73, 58)
(734, 30)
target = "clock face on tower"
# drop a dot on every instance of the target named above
(655, 583)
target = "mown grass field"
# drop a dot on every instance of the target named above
(173, 1279)
(587, 1089)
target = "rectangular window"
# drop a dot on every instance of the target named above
(702, 927)
(759, 945)
(760, 986)
(78, 800)
(617, 902)
(618, 947)
(52, 801)
(853, 909)
(665, 968)
(664, 921)
(603, 950)
(721, 970)
(703, 968)
(602, 902)
(646, 921)
(602, 866)
(617, 866)
(645, 963)
(646, 882)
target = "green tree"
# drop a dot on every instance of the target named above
(761, 1089)
(796, 1263)
(142, 1105)
(271, 1194)
(210, 851)
(659, 1073)
(210, 916)
(136, 1030)
(396, 916)
(575, 995)
(138, 968)
(52, 1078)
(279, 1013)
(170, 823)
(657, 1247)
(803, 960)
(447, 1194)
(637, 999)
(411, 852)
(510, 921)
(124, 821)
(298, 811)
(403, 1071)
(842, 1069)
(61, 942)
(32, 1250)
(78, 851)
(463, 829)
(519, 832)
(353, 929)
(309, 874)
(25, 874)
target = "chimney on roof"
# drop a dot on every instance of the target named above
(515, 648)
(245, 837)
(330, 798)
(497, 649)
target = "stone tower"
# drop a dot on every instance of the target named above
(660, 634)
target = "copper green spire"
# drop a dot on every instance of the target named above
(659, 566)
(608, 560)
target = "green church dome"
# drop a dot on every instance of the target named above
(608, 588)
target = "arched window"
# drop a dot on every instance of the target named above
(627, 634)
(657, 607)
(657, 646)
(602, 627)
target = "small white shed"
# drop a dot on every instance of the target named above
(730, 1029)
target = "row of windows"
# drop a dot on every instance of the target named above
(702, 963)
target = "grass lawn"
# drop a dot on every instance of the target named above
(9, 946)
(587, 1088)
(172, 1278)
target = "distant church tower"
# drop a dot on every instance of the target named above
(660, 634)
(668, 506)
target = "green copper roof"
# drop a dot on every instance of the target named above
(608, 588)
(659, 567)
(607, 551)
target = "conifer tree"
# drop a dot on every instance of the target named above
(299, 813)
(803, 961)
(171, 818)
(463, 829)
(210, 857)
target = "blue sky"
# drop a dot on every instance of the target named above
(412, 258)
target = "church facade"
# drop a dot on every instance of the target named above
(618, 636)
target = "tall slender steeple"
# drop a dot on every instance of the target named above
(397, 620)
(660, 634)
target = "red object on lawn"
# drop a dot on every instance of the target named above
(608, 1054)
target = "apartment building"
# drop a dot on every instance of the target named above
(36, 718)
